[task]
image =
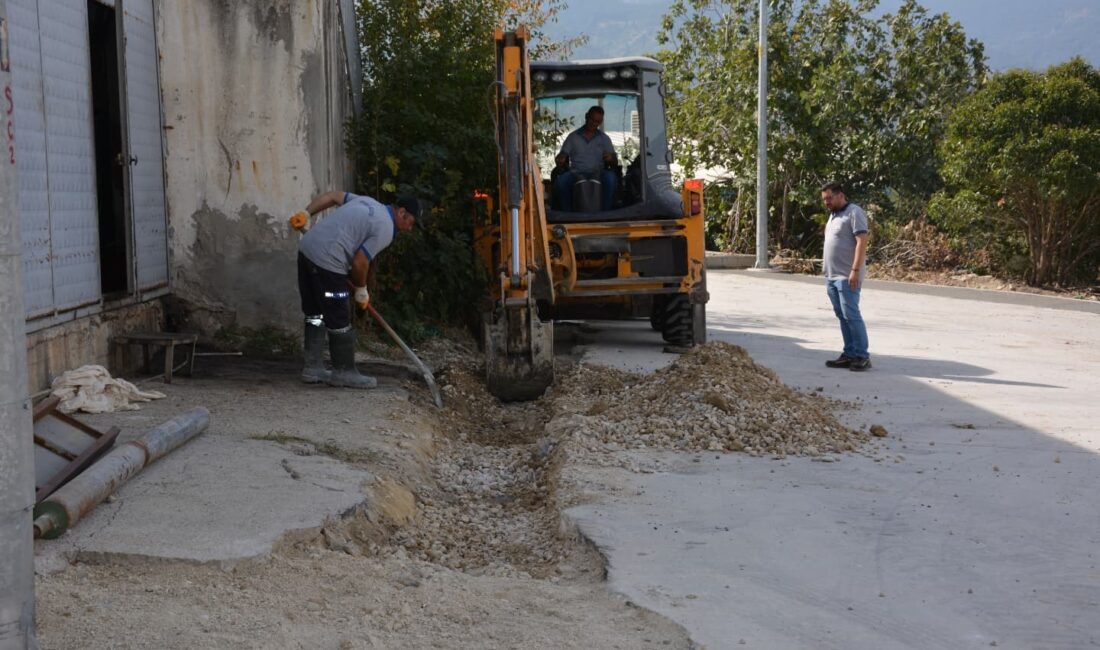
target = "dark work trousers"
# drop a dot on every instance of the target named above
(324, 293)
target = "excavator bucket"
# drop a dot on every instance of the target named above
(519, 354)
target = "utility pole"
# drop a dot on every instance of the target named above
(762, 143)
(16, 446)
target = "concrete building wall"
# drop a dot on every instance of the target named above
(87, 340)
(256, 94)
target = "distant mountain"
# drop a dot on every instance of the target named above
(614, 27)
(1016, 33)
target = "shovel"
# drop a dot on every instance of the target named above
(427, 374)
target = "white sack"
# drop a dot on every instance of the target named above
(91, 389)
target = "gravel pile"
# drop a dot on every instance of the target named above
(712, 398)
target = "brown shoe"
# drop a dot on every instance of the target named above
(839, 362)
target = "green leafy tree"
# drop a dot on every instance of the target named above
(852, 96)
(426, 129)
(1025, 152)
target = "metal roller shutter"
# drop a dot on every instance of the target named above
(30, 150)
(70, 153)
(144, 129)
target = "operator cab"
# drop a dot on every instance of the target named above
(631, 94)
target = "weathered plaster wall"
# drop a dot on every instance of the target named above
(256, 95)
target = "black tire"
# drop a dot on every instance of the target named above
(657, 313)
(677, 326)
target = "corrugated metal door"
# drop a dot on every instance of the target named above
(70, 152)
(30, 152)
(144, 137)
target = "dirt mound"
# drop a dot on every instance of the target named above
(712, 398)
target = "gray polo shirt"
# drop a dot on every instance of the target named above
(360, 223)
(840, 241)
(586, 156)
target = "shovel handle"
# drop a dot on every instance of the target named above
(428, 377)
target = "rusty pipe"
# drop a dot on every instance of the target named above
(68, 505)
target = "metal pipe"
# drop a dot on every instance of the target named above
(16, 437)
(515, 246)
(514, 175)
(762, 142)
(62, 509)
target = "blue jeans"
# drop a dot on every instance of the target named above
(845, 301)
(563, 188)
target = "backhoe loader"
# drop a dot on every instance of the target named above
(625, 244)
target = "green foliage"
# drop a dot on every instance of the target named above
(426, 279)
(730, 226)
(426, 129)
(852, 96)
(979, 240)
(1025, 152)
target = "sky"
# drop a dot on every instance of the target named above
(1017, 33)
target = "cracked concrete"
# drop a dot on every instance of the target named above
(214, 501)
(233, 491)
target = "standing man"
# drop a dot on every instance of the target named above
(844, 267)
(586, 151)
(333, 259)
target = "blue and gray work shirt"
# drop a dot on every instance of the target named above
(360, 223)
(840, 242)
(586, 155)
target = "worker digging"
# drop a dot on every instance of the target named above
(334, 257)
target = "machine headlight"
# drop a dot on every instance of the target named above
(608, 75)
(558, 231)
(539, 76)
(627, 73)
(557, 76)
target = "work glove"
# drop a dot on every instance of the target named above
(300, 221)
(362, 298)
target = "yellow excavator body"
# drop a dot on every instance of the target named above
(551, 249)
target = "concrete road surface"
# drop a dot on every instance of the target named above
(978, 526)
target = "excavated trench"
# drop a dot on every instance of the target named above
(488, 502)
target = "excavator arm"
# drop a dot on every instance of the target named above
(518, 344)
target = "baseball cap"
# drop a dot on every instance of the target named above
(412, 206)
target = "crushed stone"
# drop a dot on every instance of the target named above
(713, 398)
